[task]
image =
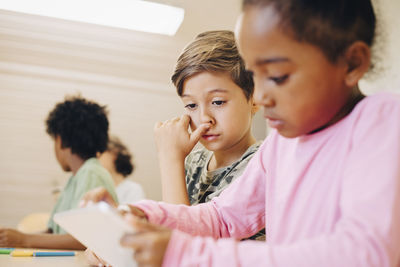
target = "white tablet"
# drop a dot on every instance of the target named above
(99, 227)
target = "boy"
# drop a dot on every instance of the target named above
(79, 129)
(217, 93)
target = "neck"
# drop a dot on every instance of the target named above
(354, 98)
(117, 178)
(75, 162)
(223, 158)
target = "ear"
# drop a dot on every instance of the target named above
(358, 59)
(255, 108)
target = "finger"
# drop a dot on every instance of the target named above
(195, 136)
(158, 125)
(92, 259)
(136, 241)
(170, 121)
(185, 120)
(139, 214)
(140, 224)
(143, 257)
(97, 195)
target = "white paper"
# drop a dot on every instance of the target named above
(99, 227)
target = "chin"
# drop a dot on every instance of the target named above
(289, 134)
(66, 168)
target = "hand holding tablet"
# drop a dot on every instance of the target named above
(99, 227)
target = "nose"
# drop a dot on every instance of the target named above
(206, 116)
(263, 94)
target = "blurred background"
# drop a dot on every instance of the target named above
(44, 59)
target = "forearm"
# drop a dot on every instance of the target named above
(225, 216)
(339, 249)
(52, 241)
(173, 181)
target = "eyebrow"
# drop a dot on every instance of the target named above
(272, 60)
(217, 90)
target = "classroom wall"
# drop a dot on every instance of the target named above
(42, 60)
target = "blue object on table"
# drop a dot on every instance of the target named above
(53, 253)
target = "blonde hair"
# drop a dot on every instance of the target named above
(213, 51)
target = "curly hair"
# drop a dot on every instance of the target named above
(123, 160)
(213, 51)
(81, 124)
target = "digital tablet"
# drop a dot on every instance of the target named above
(99, 227)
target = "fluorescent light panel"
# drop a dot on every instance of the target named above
(128, 14)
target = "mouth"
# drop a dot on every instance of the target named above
(274, 123)
(210, 137)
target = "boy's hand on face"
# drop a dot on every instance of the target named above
(173, 139)
(12, 238)
(149, 242)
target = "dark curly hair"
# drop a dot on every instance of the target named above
(123, 160)
(81, 124)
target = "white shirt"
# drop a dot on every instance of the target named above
(129, 192)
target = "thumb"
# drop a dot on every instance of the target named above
(196, 134)
(140, 225)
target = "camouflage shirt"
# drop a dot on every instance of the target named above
(203, 185)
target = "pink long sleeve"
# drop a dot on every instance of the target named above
(332, 199)
(218, 218)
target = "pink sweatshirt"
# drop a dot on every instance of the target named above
(327, 199)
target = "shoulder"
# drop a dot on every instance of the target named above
(129, 185)
(197, 156)
(376, 110)
(381, 102)
(130, 192)
(252, 149)
(92, 169)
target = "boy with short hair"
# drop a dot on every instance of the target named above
(80, 130)
(217, 93)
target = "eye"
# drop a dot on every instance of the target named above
(218, 102)
(190, 106)
(279, 79)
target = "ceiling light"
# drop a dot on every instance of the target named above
(128, 14)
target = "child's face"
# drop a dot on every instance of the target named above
(61, 154)
(300, 90)
(214, 98)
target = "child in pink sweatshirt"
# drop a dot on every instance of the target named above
(326, 182)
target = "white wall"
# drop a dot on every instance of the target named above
(386, 76)
(42, 60)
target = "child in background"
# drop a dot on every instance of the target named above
(118, 161)
(80, 130)
(326, 181)
(217, 93)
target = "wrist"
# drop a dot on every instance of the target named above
(171, 157)
(124, 208)
(26, 240)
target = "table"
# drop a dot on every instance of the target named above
(75, 261)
